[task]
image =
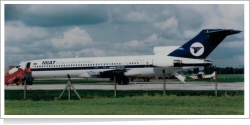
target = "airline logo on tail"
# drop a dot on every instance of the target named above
(197, 49)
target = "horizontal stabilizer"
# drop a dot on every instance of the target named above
(180, 77)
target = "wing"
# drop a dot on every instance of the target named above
(102, 73)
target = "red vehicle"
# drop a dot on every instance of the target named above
(16, 77)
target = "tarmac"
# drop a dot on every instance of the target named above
(152, 85)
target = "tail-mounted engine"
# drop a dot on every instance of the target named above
(180, 63)
(162, 61)
(165, 61)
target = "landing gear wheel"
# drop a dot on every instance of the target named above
(29, 82)
(118, 80)
(132, 79)
(125, 81)
(148, 79)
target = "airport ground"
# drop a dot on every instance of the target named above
(152, 85)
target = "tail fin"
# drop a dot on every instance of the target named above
(213, 74)
(203, 44)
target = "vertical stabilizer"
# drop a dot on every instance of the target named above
(203, 44)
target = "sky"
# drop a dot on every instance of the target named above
(40, 31)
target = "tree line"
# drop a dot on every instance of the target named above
(220, 70)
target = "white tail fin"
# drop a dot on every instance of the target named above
(209, 76)
(213, 74)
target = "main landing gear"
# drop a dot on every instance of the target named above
(121, 80)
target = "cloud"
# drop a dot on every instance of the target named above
(13, 50)
(64, 44)
(56, 15)
(134, 44)
(73, 38)
(141, 47)
(93, 52)
(234, 44)
(212, 16)
(138, 17)
(230, 12)
(123, 14)
(190, 33)
(17, 31)
(152, 39)
(37, 42)
(171, 23)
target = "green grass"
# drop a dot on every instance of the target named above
(50, 95)
(136, 105)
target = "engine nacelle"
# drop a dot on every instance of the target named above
(163, 61)
(191, 62)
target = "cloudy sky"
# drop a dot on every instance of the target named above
(38, 31)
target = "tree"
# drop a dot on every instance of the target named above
(196, 71)
(209, 69)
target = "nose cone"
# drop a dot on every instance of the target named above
(234, 32)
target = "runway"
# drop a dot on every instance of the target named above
(153, 85)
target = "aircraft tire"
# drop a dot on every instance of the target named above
(29, 82)
(118, 80)
(132, 79)
(148, 79)
(125, 81)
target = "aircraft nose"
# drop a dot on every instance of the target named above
(234, 32)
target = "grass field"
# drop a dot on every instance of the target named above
(136, 105)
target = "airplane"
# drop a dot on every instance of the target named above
(201, 75)
(166, 60)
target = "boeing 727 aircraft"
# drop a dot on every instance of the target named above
(169, 60)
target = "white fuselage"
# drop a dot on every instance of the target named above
(135, 66)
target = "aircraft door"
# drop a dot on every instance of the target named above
(28, 65)
(28, 74)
